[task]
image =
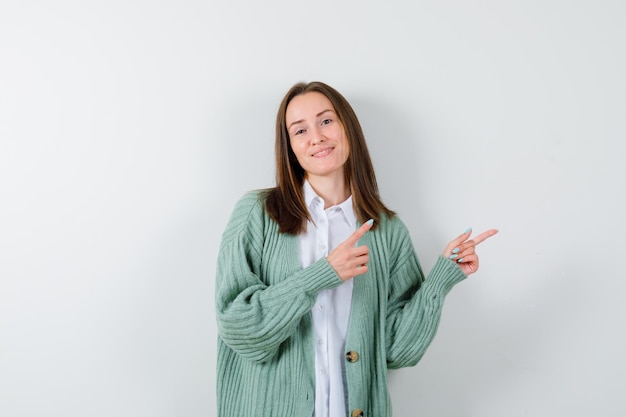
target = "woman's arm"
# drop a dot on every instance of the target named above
(415, 303)
(254, 318)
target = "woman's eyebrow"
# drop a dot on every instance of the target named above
(302, 120)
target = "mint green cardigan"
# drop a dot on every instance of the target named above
(266, 362)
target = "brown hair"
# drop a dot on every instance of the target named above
(285, 203)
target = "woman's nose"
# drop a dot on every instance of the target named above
(317, 136)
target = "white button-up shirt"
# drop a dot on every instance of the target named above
(331, 311)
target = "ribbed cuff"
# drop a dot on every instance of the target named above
(444, 275)
(319, 276)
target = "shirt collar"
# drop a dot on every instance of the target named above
(309, 195)
(311, 198)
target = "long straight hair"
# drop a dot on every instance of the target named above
(285, 203)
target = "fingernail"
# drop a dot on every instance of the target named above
(370, 222)
(453, 256)
(460, 260)
(469, 229)
(456, 250)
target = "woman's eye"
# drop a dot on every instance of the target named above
(326, 121)
(299, 132)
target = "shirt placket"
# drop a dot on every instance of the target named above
(321, 248)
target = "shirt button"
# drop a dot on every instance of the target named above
(322, 247)
(357, 413)
(322, 221)
(320, 341)
(321, 307)
(322, 372)
(352, 356)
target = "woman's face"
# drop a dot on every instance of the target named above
(316, 135)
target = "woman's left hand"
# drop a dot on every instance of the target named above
(463, 251)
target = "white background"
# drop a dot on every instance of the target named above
(128, 129)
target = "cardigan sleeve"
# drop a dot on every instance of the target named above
(255, 318)
(414, 303)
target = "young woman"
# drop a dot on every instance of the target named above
(319, 290)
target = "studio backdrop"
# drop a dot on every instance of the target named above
(129, 129)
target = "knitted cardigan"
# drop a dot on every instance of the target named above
(266, 359)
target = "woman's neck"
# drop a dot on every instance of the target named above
(333, 190)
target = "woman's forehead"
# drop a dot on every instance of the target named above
(307, 105)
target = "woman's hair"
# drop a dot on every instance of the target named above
(285, 203)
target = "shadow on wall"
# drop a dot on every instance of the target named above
(394, 147)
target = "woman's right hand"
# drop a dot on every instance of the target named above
(464, 251)
(347, 260)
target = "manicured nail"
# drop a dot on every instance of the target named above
(469, 229)
(454, 256)
(456, 250)
(460, 260)
(370, 222)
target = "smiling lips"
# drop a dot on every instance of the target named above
(322, 153)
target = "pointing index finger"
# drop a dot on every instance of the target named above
(360, 232)
(481, 237)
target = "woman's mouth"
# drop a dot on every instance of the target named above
(322, 153)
